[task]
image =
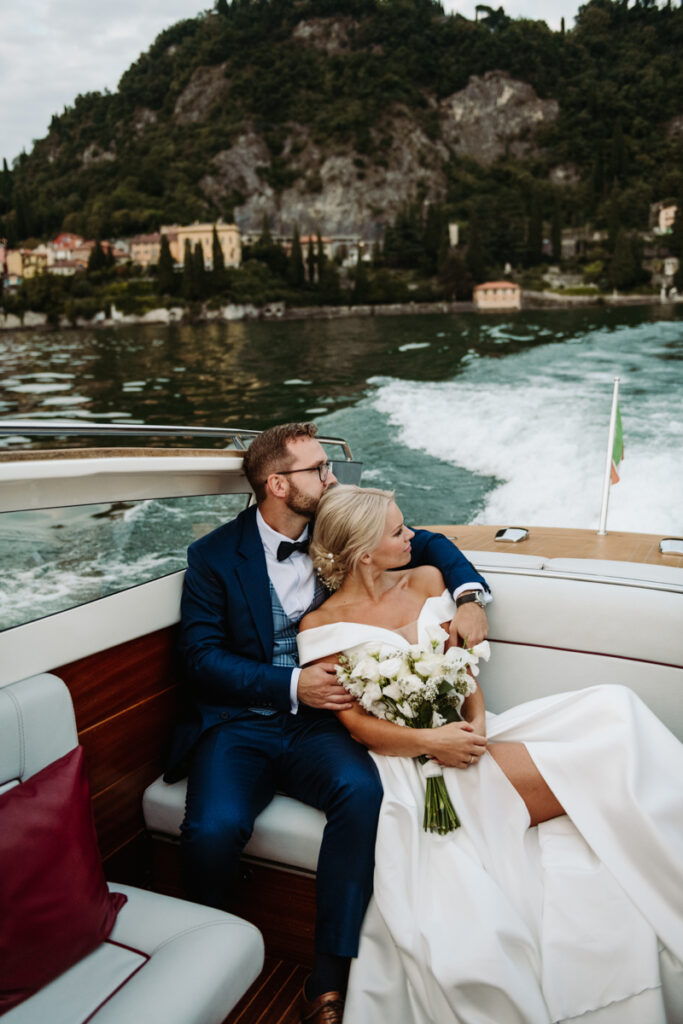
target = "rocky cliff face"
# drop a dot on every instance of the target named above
(342, 192)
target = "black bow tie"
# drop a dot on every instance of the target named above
(288, 547)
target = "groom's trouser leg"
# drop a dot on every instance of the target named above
(231, 780)
(324, 767)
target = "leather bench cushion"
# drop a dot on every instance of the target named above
(286, 832)
(166, 962)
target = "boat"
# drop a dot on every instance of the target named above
(571, 607)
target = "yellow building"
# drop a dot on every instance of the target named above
(498, 295)
(228, 236)
(144, 249)
(25, 263)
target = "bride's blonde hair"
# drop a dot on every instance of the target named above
(349, 523)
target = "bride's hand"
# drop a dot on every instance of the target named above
(455, 745)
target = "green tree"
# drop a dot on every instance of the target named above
(622, 272)
(188, 288)
(218, 276)
(296, 275)
(320, 257)
(166, 278)
(310, 261)
(556, 230)
(201, 289)
(97, 260)
(535, 232)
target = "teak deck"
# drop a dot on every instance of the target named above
(553, 542)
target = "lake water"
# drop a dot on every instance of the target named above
(474, 417)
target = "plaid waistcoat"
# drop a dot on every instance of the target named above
(285, 651)
(285, 629)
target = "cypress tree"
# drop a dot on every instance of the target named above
(535, 233)
(296, 275)
(310, 261)
(166, 281)
(622, 270)
(187, 285)
(556, 230)
(199, 272)
(361, 285)
(97, 259)
(218, 275)
(613, 223)
(320, 258)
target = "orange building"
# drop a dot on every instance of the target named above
(498, 295)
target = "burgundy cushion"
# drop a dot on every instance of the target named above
(55, 903)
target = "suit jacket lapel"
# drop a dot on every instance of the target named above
(253, 577)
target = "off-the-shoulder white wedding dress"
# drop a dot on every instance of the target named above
(580, 918)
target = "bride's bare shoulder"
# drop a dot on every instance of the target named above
(322, 616)
(427, 580)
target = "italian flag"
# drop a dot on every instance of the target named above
(618, 449)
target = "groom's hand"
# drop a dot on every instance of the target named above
(469, 624)
(319, 688)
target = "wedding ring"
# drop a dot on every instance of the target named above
(471, 759)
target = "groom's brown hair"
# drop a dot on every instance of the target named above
(268, 452)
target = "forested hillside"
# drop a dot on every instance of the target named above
(276, 108)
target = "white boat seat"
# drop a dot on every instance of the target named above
(287, 833)
(140, 972)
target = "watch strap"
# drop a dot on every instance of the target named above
(466, 598)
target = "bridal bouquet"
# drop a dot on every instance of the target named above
(421, 687)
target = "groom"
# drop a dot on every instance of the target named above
(256, 722)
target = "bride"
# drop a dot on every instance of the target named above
(500, 921)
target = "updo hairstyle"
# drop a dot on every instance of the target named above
(349, 523)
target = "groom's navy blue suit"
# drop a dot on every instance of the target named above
(239, 742)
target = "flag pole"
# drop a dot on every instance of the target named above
(602, 531)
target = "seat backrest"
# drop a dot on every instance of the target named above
(37, 726)
(566, 624)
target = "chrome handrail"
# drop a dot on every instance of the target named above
(66, 428)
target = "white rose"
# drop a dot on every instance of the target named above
(393, 690)
(456, 657)
(371, 693)
(367, 668)
(430, 664)
(412, 683)
(390, 667)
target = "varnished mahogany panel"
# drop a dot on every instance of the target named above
(116, 746)
(110, 681)
(118, 809)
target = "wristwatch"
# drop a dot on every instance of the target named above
(472, 595)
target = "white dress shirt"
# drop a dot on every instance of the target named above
(294, 582)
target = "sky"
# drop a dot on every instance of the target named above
(52, 50)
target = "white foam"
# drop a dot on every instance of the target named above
(538, 422)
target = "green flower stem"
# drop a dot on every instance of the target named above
(439, 815)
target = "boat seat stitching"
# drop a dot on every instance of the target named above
(198, 928)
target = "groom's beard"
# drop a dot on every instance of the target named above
(300, 503)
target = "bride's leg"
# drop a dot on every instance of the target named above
(515, 762)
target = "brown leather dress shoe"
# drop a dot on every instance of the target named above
(328, 1008)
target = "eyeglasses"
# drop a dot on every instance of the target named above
(323, 471)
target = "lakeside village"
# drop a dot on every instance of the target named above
(215, 271)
